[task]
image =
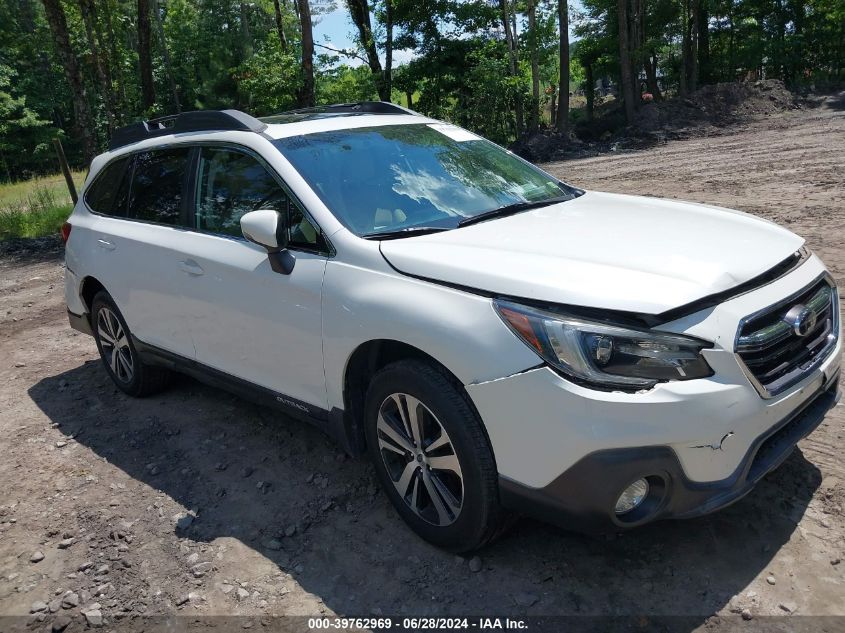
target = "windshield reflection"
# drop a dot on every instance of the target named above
(400, 176)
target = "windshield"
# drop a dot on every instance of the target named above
(383, 179)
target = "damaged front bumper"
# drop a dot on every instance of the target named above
(583, 497)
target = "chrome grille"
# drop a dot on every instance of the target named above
(781, 344)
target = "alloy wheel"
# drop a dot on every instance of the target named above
(115, 345)
(420, 459)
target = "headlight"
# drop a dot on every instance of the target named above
(603, 355)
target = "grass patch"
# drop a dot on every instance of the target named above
(35, 208)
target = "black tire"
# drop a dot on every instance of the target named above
(480, 518)
(144, 379)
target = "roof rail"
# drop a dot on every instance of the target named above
(357, 107)
(197, 121)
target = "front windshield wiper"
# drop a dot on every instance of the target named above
(510, 209)
(408, 231)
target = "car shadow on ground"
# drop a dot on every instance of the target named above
(285, 490)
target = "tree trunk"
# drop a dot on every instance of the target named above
(685, 49)
(359, 11)
(86, 9)
(118, 74)
(165, 55)
(625, 74)
(388, 48)
(145, 63)
(283, 41)
(82, 113)
(410, 96)
(512, 54)
(704, 72)
(562, 118)
(553, 110)
(651, 76)
(695, 15)
(306, 92)
(590, 90)
(535, 65)
(731, 42)
(246, 37)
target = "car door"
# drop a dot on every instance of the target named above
(245, 319)
(138, 247)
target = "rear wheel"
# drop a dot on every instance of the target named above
(118, 353)
(432, 456)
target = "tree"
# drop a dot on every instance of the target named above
(23, 134)
(388, 46)
(280, 29)
(145, 62)
(512, 57)
(165, 54)
(81, 109)
(535, 65)
(89, 18)
(703, 22)
(563, 101)
(359, 11)
(306, 92)
(626, 78)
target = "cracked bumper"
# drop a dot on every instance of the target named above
(583, 497)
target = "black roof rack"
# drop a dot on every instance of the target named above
(197, 121)
(357, 107)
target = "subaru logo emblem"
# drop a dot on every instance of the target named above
(801, 319)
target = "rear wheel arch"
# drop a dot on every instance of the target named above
(88, 290)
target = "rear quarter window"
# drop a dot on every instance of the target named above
(108, 193)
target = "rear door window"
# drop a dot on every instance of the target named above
(158, 184)
(108, 193)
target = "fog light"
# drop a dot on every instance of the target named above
(632, 496)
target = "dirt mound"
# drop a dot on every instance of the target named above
(718, 105)
(702, 113)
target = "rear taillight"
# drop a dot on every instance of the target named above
(66, 227)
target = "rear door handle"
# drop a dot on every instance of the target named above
(105, 244)
(191, 267)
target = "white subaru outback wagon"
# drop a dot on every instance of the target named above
(497, 341)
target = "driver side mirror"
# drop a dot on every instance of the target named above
(269, 228)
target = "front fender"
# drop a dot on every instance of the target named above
(459, 329)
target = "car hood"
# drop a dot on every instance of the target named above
(602, 250)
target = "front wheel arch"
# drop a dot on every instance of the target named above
(364, 363)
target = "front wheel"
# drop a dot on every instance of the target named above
(432, 456)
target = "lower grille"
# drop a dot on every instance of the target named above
(781, 344)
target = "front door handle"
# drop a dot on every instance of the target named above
(105, 244)
(191, 267)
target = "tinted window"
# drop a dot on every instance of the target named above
(156, 192)
(397, 176)
(232, 183)
(107, 194)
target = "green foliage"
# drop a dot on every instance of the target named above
(343, 84)
(228, 54)
(41, 212)
(24, 136)
(487, 102)
(268, 80)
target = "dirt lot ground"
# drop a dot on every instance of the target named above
(197, 503)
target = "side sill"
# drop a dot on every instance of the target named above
(80, 323)
(331, 423)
